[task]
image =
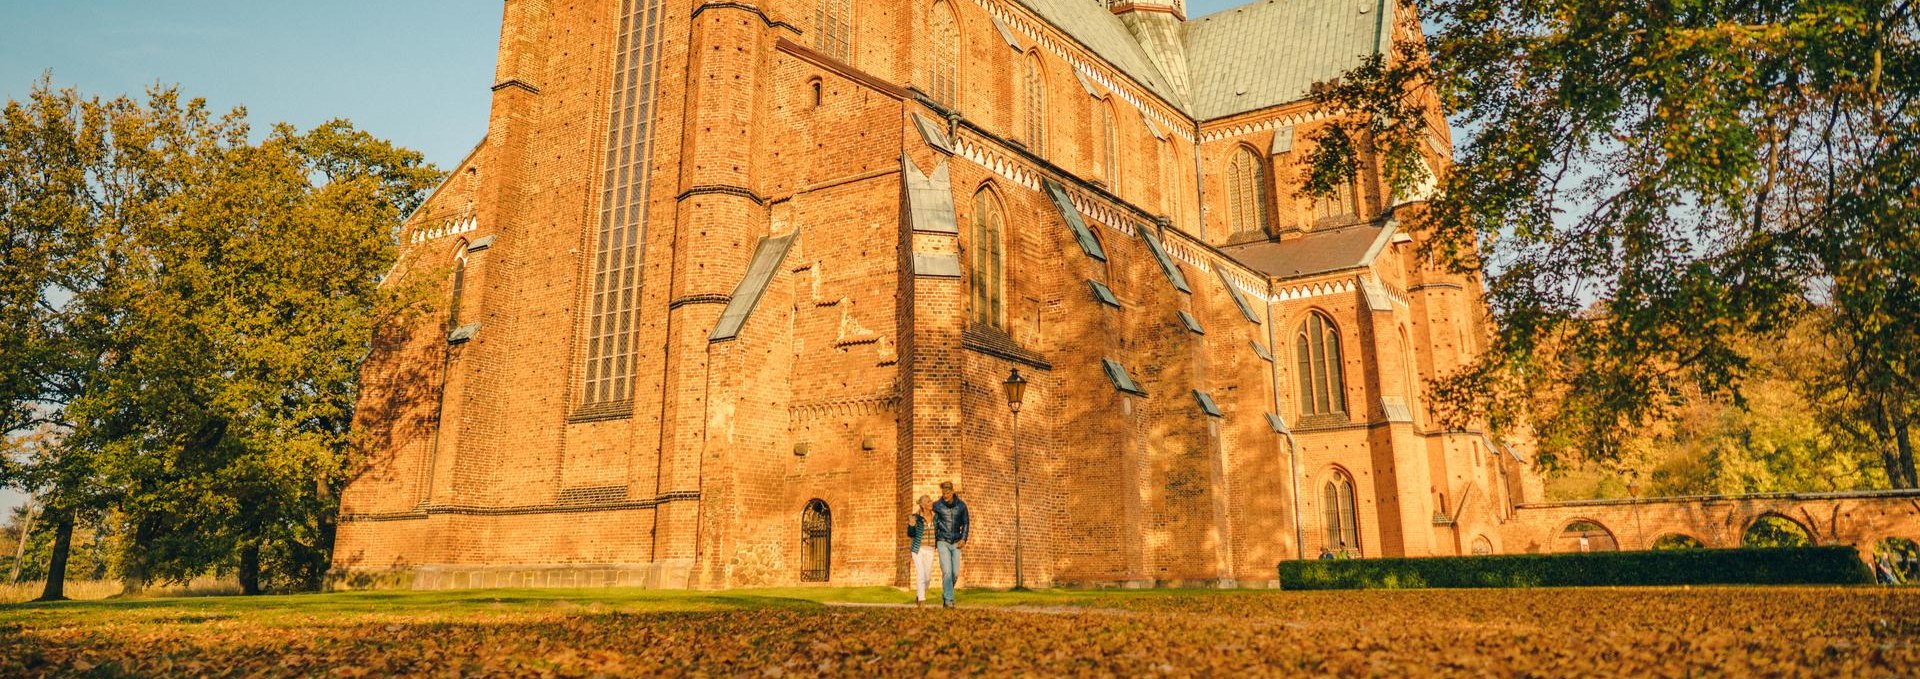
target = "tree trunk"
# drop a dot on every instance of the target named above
(133, 571)
(56, 589)
(20, 550)
(328, 520)
(1903, 438)
(1895, 444)
(250, 567)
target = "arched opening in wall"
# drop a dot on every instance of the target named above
(1677, 541)
(1774, 530)
(1896, 561)
(1323, 388)
(1342, 520)
(1035, 87)
(1109, 146)
(816, 542)
(1482, 546)
(1247, 217)
(987, 260)
(944, 61)
(813, 85)
(459, 289)
(1585, 535)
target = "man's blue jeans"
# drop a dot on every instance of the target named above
(949, 569)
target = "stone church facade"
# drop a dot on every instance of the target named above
(728, 284)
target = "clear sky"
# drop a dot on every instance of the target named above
(413, 71)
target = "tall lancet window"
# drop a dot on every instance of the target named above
(1036, 105)
(833, 29)
(944, 59)
(1342, 527)
(615, 285)
(1247, 194)
(989, 260)
(1109, 147)
(459, 289)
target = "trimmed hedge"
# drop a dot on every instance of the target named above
(1839, 565)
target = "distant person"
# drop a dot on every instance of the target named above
(1325, 554)
(1586, 546)
(919, 549)
(1344, 553)
(951, 526)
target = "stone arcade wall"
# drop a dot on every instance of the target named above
(1855, 518)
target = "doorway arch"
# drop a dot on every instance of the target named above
(816, 542)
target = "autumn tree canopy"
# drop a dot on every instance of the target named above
(1649, 186)
(184, 306)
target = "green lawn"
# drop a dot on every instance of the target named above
(1670, 632)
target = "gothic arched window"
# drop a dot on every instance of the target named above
(459, 289)
(988, 273)
(1036, 104)
(1247, 193)
(1343, 529)
(833, 29)
(1169, 180)
(945, 58)
(1109, 147)
(1337, 207)
(1317, 350)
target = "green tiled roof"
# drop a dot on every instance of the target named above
(1260, 54)
(1272, 52)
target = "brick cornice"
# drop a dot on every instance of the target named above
(744, 7)
(550, 508)
(844, 69)
(708, 298)
(721, 189)
(516, 83)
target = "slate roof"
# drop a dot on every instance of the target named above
(1272, 52)
(1103, 33)
(1314, 253)
(1262, 54)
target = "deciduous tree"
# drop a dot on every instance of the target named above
(1647, 185)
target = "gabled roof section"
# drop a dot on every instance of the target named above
(1272, 52)
(1093, 26)
(1315, 253)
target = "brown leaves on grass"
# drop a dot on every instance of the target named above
(1652, 632)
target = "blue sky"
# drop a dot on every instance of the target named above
(413, 71)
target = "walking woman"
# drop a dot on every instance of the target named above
(920, 548)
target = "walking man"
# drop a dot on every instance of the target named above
(951, 525)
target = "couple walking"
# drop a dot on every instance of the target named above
(951, 525)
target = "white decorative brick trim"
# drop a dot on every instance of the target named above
(450, 227)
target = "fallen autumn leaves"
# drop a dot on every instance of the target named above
(1637, 632)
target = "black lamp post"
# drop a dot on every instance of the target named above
(1016, 389)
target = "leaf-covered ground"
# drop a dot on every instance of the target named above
(1822, 632)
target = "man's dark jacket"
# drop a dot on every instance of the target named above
(950, 521)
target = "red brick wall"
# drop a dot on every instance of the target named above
(852, 382)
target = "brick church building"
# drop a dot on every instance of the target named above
(728, 284)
